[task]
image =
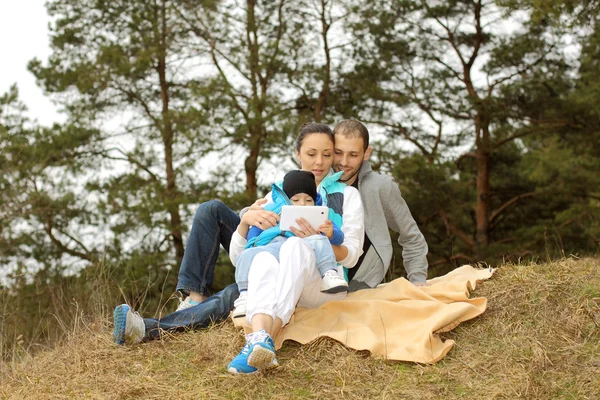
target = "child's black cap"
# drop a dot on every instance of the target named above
(300, 182)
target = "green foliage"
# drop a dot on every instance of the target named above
(149, 91)
(455, 76)
(42, 208)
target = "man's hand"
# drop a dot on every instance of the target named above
(421, 284)
(305, 229)
(327, 229)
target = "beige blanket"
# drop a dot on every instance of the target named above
(398, 320)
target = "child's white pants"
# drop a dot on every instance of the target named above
(275, 288)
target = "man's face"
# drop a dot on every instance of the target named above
(348, 156)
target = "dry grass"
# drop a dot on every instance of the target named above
(539, 339)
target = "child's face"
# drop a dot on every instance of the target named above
(302, 199)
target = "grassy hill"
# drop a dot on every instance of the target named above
(539, 339)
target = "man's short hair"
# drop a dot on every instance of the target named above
(352, 128)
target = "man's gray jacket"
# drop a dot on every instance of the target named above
(385, 207)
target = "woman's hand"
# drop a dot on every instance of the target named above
(257, 216)
(327, 229)
(305, 229)
(258, 204)
(260, 218)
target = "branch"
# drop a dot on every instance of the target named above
(277, 40)
(510, 202)
(506, 240)
(236, 104)
(205, 35)
(131, 160)
(341, 46)
(456, 230)
(450, 38)
(455, 72)
(235, 65)
(437, 139)
(136, 98)
(11, 160)
(404, 133)
(462, 157)
(528, 132)
(61, 245)
(324, 93)
(453, 258)
(75, 240)
(273, 114)
(519, 71)
(478, 35)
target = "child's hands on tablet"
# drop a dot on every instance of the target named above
(305, 229)
(327, 229)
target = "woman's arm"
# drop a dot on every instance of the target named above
(255, 215)
(341, 252)
(258, 204)
(236, 246)
(353, 227)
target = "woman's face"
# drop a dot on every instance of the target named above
(316, 155)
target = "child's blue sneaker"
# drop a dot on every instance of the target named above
(258, 353)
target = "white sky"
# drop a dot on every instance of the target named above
(24, 36)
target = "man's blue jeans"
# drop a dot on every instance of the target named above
(214, 309)
(213, 226)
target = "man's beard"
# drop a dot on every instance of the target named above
(350, 177)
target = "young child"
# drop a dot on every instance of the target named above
(299, 189)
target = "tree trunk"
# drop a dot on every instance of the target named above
(482, 141)
(322, 100)
(256, 102)
(250, 166)
(482, 208)
(171, 202)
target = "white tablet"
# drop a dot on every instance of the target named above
(315, 215)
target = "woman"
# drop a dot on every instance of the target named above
(277, 285)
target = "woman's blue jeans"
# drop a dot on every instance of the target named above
(213, 226)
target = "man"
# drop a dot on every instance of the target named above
(214, 224)
(384, 207)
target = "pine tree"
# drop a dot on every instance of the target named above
(117, 66)
(268, 80)
(445, 76)
(43, 213)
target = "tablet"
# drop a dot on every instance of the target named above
(315, 215)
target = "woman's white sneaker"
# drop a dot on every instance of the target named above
(239, 305)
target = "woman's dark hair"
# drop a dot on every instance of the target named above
(312, 127)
